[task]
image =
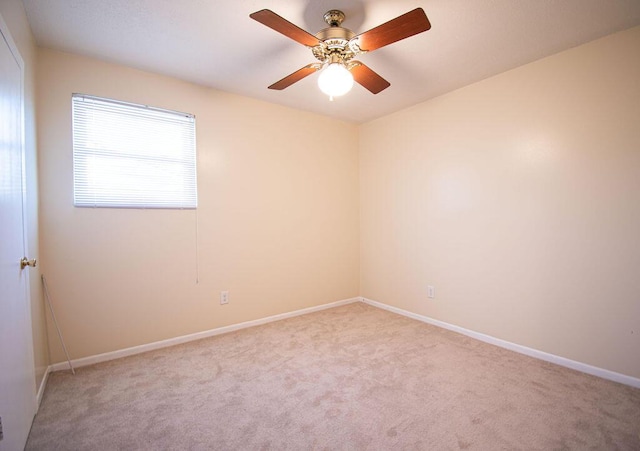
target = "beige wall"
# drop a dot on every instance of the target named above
(15, 17)
(277, 217)
(518, 198)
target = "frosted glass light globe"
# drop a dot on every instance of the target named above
(335, 80)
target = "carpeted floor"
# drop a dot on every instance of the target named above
(349, 378)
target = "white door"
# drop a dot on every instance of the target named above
(17, 380)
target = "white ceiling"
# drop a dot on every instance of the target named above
(215, 43)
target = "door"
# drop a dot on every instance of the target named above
(17, 379)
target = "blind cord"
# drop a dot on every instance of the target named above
(197, 248)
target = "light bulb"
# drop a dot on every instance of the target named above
(335, 80)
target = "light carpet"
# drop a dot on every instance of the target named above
(350, 378)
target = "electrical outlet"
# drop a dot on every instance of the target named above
(431, 292)
(224, 297)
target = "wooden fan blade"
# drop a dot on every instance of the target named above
(401, 27)
(295, 77)
(368, 78)
(281, 25)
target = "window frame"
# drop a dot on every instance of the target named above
(89, 157)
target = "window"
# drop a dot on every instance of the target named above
(127, 155)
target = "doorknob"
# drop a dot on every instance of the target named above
(24, 263)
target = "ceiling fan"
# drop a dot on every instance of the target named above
(335, 47)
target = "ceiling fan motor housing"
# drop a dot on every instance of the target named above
(334, 41)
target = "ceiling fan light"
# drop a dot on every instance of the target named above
(335, 80)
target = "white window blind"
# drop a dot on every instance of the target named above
(127, 155)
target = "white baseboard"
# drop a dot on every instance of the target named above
(43, 385)
(192, 337)
(579, 366)
(562, 361)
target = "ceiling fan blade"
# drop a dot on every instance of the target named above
(295, 77)
(368, 78)
(401, 27)
(281, 25)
